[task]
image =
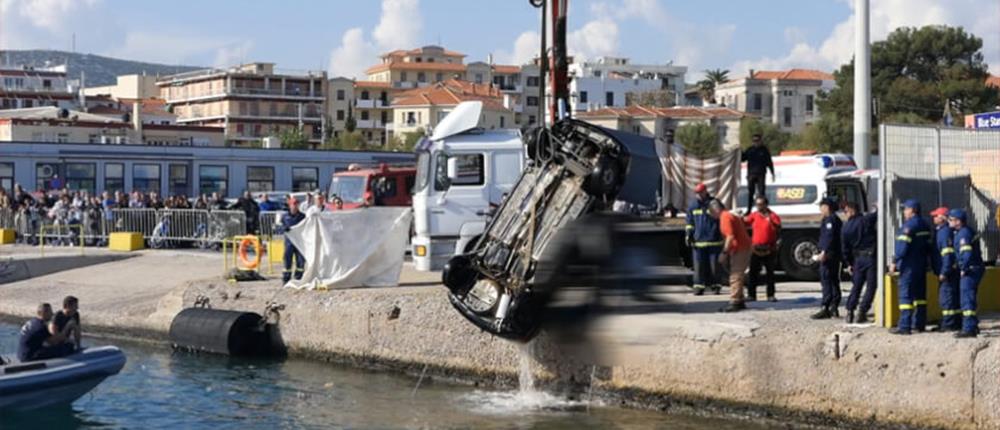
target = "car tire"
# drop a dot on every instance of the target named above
(796, 257)
(605, 179)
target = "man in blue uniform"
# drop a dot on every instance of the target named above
(705, 240)
(913, 244)
(829, 260)
(970, 266)
(943, 263)
(858, 243)
(289, 220)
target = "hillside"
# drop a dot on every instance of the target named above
(99, 70)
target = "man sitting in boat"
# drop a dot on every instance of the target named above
(37, 343)
(67, 321)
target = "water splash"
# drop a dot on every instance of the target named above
(525, 376)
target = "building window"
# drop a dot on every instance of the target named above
(62, 137)
(788, 117)
(364, 115)
(365, 95)
(411, 118)
(479, 78)
(532, 119)
(46, 83)
(636, 130)
(668, 135)
(340, 94)
(81, 176)
(114, 177)
(532, 81)
(758, 102)
(502, 125)
(609, 98)
(402, 76)
(146, 177)
(583, 97)
(439, 77)
(532, 101)
(7, 176)
(213, 179)
(178, 181)
(47, 176)
(305, 179)
(421, 77)
(340, 115)
(260, 179)
(809, 104)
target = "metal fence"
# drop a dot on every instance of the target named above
(161, 228)
(958, 168)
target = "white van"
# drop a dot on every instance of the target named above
(461, 171)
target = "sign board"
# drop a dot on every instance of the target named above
(983, 120)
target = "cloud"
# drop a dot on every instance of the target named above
(596, 38)
(173, 48)
(232, 54)
(977, 16)
(525, 49)
(46, 14)
(399, 27)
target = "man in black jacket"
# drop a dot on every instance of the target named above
(758, 159)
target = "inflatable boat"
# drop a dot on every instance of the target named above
(57, 381)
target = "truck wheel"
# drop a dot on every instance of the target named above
(796, 257)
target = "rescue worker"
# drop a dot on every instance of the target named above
(943, 263)
(858, 243)
(913, 245)
(970, 266)
(758, 159)
(289, 220)
(829, 260)
(705, 241)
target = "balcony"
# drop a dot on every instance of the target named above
(404, 85)
(370, 104)
(369, 123)
(511, 88)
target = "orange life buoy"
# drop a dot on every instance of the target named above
(244, 245)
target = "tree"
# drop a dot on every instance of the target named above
(773, 137)
(827, 135)
(350, 124)
(293, 138)
(916, 73)
(407, 141)
(698, 139)
(347, 141)
(654, 98)
(712, 80)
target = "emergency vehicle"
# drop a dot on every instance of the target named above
(380, 186)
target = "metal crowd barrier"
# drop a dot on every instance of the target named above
(269, 222)
(161, 228)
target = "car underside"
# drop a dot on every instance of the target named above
(577, 168)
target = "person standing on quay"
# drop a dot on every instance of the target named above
(289, 220)
(944, 265)
(766, 227)
(970, 266)
(758, 159)
(859, 252)
(829, 260)
(913, 244)
(735, 254)
(705, 241)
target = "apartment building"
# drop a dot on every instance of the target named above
(785, 98)
(27, 87)
(138, 86)
(250, 102)
(59, 125)
(662, 123)
(423, 108)
(367, 103)
(407, 69)
(615, 81)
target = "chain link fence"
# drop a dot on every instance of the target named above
(957, 168)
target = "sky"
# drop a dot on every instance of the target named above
(345, 36)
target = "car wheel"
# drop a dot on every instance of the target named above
(458, 274)
(796, 257)
(604, 179)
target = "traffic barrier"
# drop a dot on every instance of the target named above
(988, 297)
(125, 241)
(6, 236)
(55, 233)
(268, 222)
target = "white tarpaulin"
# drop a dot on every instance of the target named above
(352, 248)
(720, 174)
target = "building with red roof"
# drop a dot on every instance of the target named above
(786, 98)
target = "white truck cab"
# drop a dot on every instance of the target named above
(801, 181)
(461, 171)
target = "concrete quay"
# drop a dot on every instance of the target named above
(771, 362)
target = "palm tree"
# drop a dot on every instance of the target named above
(712, 79)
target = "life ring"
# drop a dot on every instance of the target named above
(244, 245)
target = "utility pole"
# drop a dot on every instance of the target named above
(862, 83)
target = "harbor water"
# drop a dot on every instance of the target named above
(160, 388)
